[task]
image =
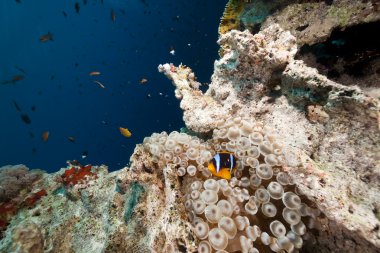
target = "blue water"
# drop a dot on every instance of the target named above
(59, 96)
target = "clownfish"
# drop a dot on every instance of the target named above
(222, 165)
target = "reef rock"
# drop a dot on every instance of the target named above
(332, 130)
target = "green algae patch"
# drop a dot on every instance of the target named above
(132, 200)
(59, 191)
(340, 13)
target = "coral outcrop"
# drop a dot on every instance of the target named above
(309, 21)
(332, 128)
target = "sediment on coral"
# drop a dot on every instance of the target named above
(15, 178)
(309, 21)
(350, 57)
(332, 128)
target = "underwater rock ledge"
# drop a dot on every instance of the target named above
(304, 145)
(332, 130)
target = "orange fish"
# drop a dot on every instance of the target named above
(45, 136)
(143, 80)
(125, 132)
(100, 84)
(113, 16)
(46, 37)
(94, 73)
(222, 165)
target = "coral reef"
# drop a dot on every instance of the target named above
(16, 183)
(14, 178)
(307, 151)
(332, 128)
(309, 21)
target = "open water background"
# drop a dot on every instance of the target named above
(59, 96)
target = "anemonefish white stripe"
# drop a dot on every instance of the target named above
(231, 162)
(217, 162)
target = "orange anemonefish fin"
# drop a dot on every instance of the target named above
(222, 165)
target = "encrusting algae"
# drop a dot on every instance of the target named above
(230, 19)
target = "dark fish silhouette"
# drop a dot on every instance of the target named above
(84, 2)
(20, 69)
(64, 14)
(77, 7)
(14, 79)
(33, 108)
(74, 163)
(18, 1)
(16, 106)
(144, 2)
(25, 118)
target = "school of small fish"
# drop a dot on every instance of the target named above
(48, 37)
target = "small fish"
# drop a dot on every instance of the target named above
(84, 154)
(46, 37)
(148, 95)
(25, 118)
(33, 108)
(71, 138)
(222, 165)
(143, 80)
(16, 106)
(113, 15)
(125, 132)
(144, 2)
(84, 2)
(20, 69)
(45, 136)
(100, 84)
(172, 52)
(18, 1)
(14, 79)
(74, 163)
(77, 7)
(94, 73)
(64, 14)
